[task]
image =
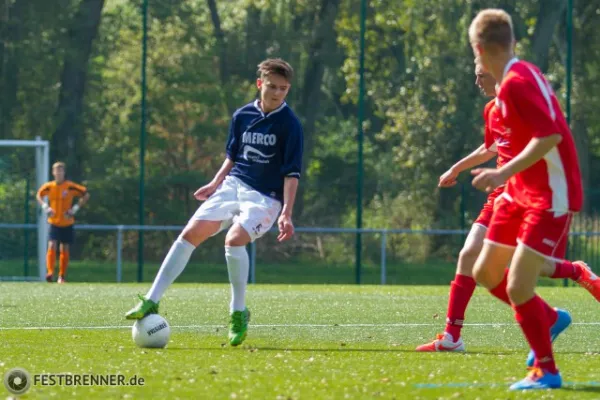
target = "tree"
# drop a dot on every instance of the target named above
(66, 140)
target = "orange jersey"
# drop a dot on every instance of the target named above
(61, 198)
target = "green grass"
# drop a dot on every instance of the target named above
(319, 358)
(428, 273)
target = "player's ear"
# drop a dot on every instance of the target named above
(478, 49)
(259, 83)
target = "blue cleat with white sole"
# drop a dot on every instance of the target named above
(562, 322)
(538, 379)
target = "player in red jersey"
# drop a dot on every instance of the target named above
(496, 144)
(531, 221)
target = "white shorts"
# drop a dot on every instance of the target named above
(236, 202)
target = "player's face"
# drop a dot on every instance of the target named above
(273, 89)
(485, 81)
(58, 173)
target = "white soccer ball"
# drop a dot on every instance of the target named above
(152, 331)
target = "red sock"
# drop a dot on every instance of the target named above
(566, 269)
(500, 290)
(536, 327)
(461, 290)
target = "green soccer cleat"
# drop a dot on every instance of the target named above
(145, 307)
(238, 327)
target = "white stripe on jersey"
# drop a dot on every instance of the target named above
(546, 92)
(557, 180)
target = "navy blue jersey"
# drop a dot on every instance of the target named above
(265, 147)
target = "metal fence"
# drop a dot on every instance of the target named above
(582, 244)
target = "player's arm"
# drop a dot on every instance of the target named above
(477, 157)
(529, 101)
(43, 192)
(231, 150)
(83, 195)
(207, 190)
(291, 168)
(290, 188)
(535, 150)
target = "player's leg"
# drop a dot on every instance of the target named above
(51, 252)
(66, 239)
(257, 215)
(461, 291)
(212, 216)
(238, 266)
(195, 232)
(543, 237)
(577, 271)
(534, 316)
(63, 262)
(501, 239)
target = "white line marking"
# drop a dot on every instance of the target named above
(208, 326)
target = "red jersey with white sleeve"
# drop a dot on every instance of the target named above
(530, 110)
(496, 141)
(496, 138)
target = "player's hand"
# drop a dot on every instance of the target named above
(487, 179)
(205, 191)
(48, 210)
(286, 227)
(448, 178)
(72, 211)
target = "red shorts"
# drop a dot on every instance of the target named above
(541, 231)
(485, 216)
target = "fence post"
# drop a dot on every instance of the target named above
(383, 256)
(119, 253)
(252, 275)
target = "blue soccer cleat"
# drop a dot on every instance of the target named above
(538, 379)
(562, 322)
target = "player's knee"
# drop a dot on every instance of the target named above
(466, 259)
(518, 294)
(233, 240)
(483, 276)
(479, 274)
(53, 245)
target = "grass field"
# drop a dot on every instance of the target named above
(432, 272)
(305, 342)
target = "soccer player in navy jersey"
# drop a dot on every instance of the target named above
(256, 184)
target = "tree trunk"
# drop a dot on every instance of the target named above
(11, 36)
(548, 17)
(322, 45)
(222, 49)
(66, 143)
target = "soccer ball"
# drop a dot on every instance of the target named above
(152, 331)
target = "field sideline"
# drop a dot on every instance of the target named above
(305, 342)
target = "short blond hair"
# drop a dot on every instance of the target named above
(492, 28)
(59, 164)
(275, 66)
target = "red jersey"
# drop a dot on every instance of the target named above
(531, 110)
(496, 139)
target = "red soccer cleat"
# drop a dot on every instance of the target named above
(442, 342)
(588, 280)
(49, 278)
(61, 280)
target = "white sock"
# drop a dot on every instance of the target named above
(238, 266)
(173, 264)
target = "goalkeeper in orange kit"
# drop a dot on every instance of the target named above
(61, 217)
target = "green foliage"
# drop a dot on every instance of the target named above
(423, 111)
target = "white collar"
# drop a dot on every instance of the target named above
(257, 105)
(508, 66)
